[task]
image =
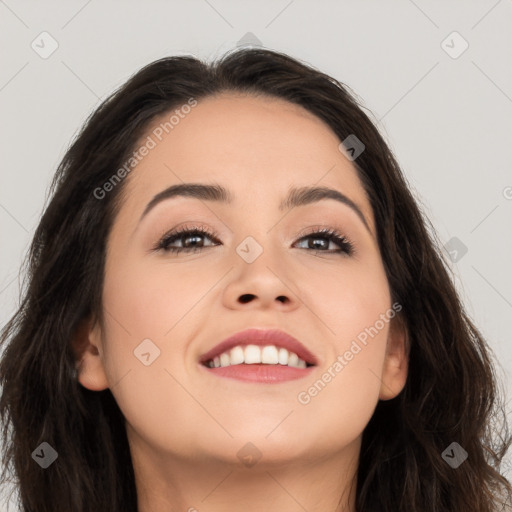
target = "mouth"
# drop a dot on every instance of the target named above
(259, 356)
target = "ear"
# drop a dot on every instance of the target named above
(87, 344)
(396, 363)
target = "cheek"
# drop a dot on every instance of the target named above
(353, 304)
(347, 297)
(157, 302)
(149, 300)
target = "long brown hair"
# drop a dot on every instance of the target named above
(451, 394)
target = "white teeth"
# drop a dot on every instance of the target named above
(236, 355)
(269, 355)
(254, 354)
(293, 359)
(283, 356)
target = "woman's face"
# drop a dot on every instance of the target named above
(256, 271)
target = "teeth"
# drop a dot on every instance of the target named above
(269, 355)
(283, 356)
(254, 354)
(293, 359)
(236, 355)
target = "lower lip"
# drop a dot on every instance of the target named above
(260, 372)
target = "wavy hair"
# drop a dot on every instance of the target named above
(451, 393)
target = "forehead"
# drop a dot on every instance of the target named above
(259, 146)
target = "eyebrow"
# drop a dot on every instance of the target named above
(297, 196)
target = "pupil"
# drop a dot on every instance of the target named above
(192, 238)
(315, 245)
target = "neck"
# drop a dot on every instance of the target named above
(169, 484)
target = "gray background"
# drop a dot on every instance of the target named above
(448, 120)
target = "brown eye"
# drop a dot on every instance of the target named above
(320, 240)
(190, 240)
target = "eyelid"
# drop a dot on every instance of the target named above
(327, 227)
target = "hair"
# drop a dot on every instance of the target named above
(451, 393)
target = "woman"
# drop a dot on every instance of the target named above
(234, 302)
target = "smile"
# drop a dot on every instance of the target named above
(254, 354)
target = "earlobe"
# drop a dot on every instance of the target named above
(396, 363)
(89, 363)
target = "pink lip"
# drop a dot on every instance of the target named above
(265, 373)
(262, 337)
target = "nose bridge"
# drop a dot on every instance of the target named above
(260, 272)
(260, 244)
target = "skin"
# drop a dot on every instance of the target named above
(186, 426)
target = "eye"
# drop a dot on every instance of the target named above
(320, 240)
(190, 239)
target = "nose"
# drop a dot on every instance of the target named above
(262, 284)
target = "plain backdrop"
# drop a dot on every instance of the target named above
(436, 75)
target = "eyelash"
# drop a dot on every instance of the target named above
(347, 247)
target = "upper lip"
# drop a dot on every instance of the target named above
(261, 337)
